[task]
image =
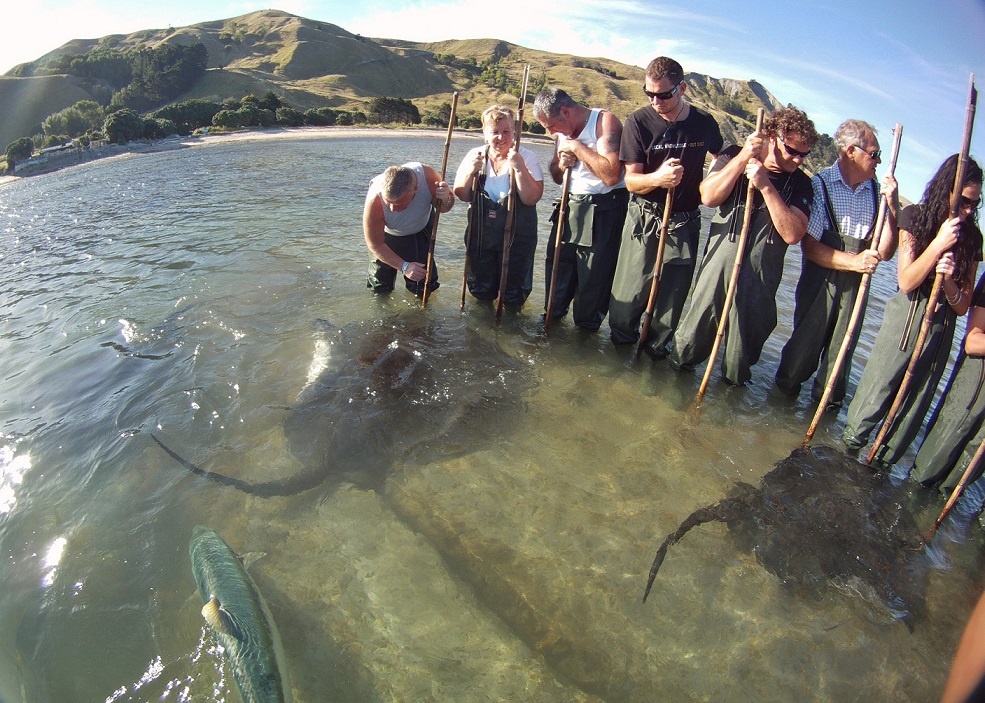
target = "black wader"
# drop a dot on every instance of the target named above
(588, 256)
(634, 273)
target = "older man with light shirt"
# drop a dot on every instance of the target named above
(397, 222)
(587, 142)
(838, 250)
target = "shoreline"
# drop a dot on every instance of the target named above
(119, 151)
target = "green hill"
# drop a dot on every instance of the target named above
(313, 64)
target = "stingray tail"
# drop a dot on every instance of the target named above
(709, 513)
(218, 478)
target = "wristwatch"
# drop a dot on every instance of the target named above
(403, 269)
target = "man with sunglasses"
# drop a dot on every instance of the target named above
(663, 146)
(771, 162)
(836, 253)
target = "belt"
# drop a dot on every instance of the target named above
(657, 210)
(613, 196)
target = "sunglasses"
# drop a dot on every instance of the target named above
(973, 204)
(793, 152)
(874, 155)
(666, 95)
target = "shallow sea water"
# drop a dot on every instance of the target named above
(180, 293)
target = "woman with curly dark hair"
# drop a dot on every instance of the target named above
(931, 242)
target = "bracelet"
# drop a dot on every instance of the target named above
(957, 297)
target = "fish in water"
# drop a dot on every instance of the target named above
(403, 388)
(820, 518)
(238, 615)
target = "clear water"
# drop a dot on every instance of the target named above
(178, 293)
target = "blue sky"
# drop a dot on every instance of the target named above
(905, 61)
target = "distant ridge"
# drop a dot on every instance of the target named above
(312, 64)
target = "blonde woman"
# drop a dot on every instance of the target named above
(483, 181)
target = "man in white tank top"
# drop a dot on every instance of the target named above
(587, 142)
(397, 221)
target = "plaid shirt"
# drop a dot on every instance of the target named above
(853, 208)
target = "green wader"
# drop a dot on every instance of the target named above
(486, 250)
(382, 278)
(634, 273)
(956, 431)
(886, 368)
(588, 256)
(752, 317)
(824, 302)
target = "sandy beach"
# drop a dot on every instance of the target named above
(119, 151)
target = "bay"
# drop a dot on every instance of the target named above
(179, 292)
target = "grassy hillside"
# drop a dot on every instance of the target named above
(315, 64)
(25, 102)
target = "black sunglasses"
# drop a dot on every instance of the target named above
(793, 152)
(666, 95)
(874, 155)
(973, 204)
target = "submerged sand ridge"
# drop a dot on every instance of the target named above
(499, 576)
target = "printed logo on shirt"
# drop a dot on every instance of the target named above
(677, 146)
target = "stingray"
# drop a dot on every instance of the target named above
(822, 520)
(404, 389)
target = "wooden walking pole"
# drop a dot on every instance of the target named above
(860, 299)
(475, 218)
(562, 216)
(658, 265)
(508, 230)
(938, 282)
(437, 211)
(956, 493)
(733, 283)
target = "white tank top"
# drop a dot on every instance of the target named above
(583, 181)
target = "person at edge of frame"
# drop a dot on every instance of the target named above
(955, 430)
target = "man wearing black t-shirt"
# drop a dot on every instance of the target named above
(663, 146)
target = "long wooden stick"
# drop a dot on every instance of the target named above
(658, 266)
(475, 217)
(956, 493)
(733, 283)
(511, 205)
(938, 282)
(860, 300)
(562, 217)
(437, 211)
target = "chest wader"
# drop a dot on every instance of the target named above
(955, 428)
(753, 315)
(486, 248)
(634, 272)
(411, 247)
(886, 367)
(588, 256)
(824, 302)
